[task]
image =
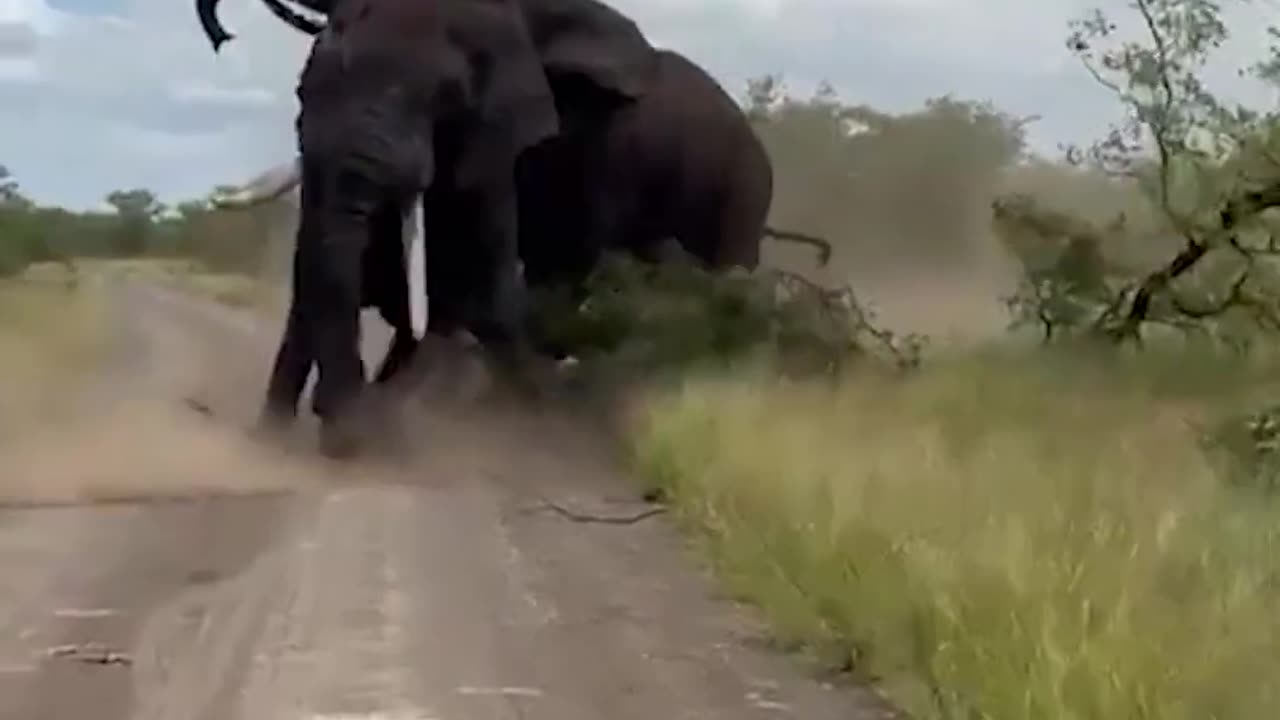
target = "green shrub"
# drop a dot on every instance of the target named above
(677, 317)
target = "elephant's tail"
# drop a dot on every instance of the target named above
(824, 247)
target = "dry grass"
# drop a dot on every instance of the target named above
(51, 335)
(998, 537)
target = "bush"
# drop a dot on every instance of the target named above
(12, 259)
(679, 318)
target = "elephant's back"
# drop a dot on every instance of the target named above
(707, 130)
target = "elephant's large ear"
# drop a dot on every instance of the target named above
(509, 99)
(589, 39)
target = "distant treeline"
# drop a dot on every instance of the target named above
(853, 174)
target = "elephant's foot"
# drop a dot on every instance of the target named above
(368, 425)
(343, 436)
(273, 425)
(339, 441)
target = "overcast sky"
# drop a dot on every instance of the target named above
(103, 94)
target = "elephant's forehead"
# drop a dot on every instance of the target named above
(379, 22)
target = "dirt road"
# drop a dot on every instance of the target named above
(445, 590)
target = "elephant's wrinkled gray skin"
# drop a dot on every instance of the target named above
(681, 162)
(398, 96)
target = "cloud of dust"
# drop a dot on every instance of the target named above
(165, 415)
(141, 450)
(907, 208)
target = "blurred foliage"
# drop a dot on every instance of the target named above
(1247, 448)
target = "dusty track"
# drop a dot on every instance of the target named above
(445, 589)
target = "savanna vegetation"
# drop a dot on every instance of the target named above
(1071, 514)
(1075, 518)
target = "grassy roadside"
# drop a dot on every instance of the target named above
(233, 289)
(1002, 536)
(51, 335)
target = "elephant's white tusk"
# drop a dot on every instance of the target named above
(416, 270)
(277, 181)
(269, 185)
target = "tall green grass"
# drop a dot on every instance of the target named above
(1001, 536)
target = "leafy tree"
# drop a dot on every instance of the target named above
(1207, 169)
(136, 210)
(19, 237)
(8, 187)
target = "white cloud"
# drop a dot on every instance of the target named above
(135, 96)
(35, 14)
(19, 70)
(202, 93)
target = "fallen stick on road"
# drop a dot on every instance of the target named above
(91, 653)
(199, 406)
(577, 517)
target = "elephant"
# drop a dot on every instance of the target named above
(437, 101)
(594, 58)
(630, 173)
(401, 99)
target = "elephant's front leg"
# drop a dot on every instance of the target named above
(330, 284)
(288, 373)
(293, 358)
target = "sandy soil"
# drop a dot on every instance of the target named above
(243, 582)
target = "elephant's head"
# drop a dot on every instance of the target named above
(576, 40)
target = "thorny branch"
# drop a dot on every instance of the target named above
(90, 653)
(905, 351)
